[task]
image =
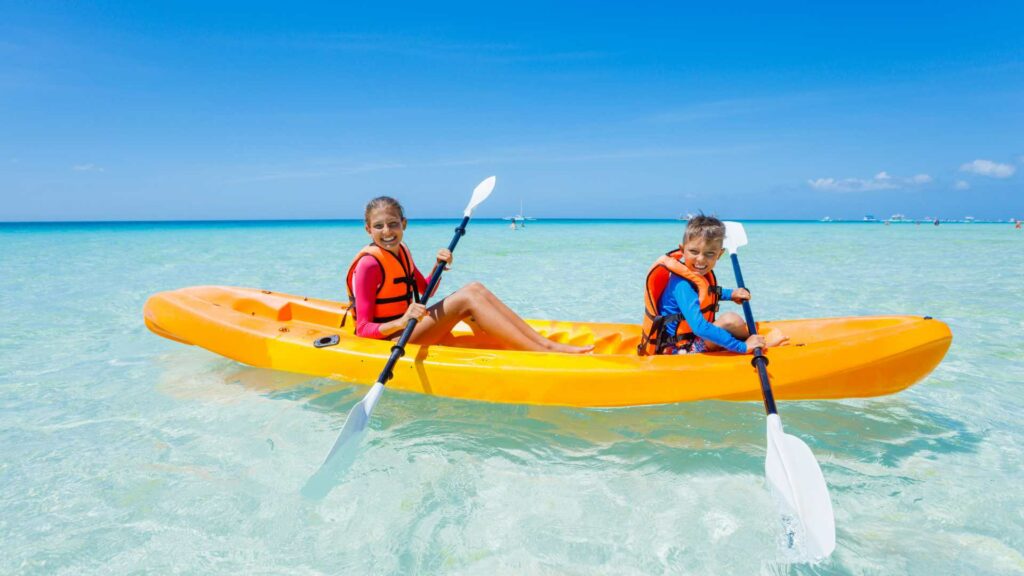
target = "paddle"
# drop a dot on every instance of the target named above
(346, 446)
(790, 468)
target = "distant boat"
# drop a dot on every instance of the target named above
(870, 218)
(519, 220)
(826, 219)
(897, 218)
(969, 219)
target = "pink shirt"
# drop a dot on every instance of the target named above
(366, 280)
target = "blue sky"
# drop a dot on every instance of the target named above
(177, 110)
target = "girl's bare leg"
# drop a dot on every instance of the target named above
(490, 314)
(521, 325)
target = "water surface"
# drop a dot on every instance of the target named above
(124, 452)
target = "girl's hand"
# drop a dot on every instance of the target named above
(445, 255)
(414, 312)
(755, 341)
(740, 294)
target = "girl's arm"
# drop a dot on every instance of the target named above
(365, 281)
(421, 282)
(443, 255)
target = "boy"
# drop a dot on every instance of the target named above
(682, 296)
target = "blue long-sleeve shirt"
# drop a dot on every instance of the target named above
(679, 296)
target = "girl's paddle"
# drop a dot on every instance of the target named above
(790, 467)
(346, 446)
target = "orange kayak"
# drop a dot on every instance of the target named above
(827, 358)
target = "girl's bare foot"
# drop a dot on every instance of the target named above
(581, 349)
(568, 349)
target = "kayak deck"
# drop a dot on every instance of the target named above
(827, 358)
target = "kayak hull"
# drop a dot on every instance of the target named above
(829, 358)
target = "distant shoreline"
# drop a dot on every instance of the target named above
(538, 222)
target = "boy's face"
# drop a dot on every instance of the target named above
(700, 254)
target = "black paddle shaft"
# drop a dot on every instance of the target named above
(759, 361)
(398, 350)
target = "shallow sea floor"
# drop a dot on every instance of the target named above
(124, 452)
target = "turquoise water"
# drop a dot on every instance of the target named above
(124, 452)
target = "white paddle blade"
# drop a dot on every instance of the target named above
(480, 193)
(735, 236)
(346, 447)
(797, 482)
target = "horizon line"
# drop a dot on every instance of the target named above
(495, 219)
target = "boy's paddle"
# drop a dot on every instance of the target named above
(346, 446)
(790, 467)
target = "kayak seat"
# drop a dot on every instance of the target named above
(607, 344)
(271, 307)
(318, 313)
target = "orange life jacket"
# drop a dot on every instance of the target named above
(653, 338)
(397, 288)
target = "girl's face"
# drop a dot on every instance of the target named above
(386, 227)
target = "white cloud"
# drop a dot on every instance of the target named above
(86, 168)
(961, 185)
(852, 184)
(989, 168)
(881, 181)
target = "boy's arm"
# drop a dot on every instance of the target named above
(689, 304)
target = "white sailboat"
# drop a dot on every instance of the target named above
(519, 220)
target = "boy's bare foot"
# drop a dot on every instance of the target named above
(775, 337)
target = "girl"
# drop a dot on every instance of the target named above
(384, 286)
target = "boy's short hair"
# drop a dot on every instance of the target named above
(706, 227)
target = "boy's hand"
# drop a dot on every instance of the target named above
(445, 255)
(739, 295)
(755, 341)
